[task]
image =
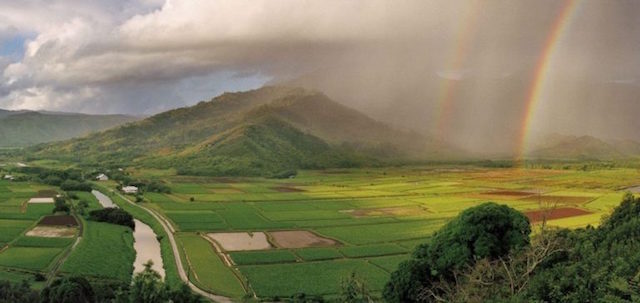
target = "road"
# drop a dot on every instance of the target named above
(176, 253)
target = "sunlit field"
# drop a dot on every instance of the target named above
(364, 220)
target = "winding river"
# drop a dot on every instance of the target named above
(146, 243)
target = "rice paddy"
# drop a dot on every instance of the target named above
(322, 225)
(244, 236)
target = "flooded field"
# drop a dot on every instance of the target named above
(241, 241)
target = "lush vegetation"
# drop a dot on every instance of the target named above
(485, 255)
(106, 251)
(208, 269)
(114, 216)
(18, 129)
(486, 231)
(146, 287)
(272, 131)
(375, 216)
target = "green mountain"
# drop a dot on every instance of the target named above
(268, 131)
(24, 128)
(585, 147)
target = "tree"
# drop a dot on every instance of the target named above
(147, 286)
(82, 206)
(68, 290)
(17, 292)
(114, 216)
(354, 290)
(488, 231)
(60, 205)
(184, 295)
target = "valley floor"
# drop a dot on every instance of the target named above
(364, 221)
(271, 238)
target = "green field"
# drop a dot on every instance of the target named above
(208, 270)
(23, 256)
(106, 251)
(377, 216)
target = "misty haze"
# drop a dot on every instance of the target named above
(319, 151)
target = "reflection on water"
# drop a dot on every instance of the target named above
(147, 248)
(103, 199)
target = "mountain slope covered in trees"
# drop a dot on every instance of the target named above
(23, 128)
(585, 147)
(268, 131)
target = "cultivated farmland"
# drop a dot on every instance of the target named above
(325, 224)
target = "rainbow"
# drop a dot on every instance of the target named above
(456, 62)
(541, 72)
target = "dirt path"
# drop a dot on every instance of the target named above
(176, 252)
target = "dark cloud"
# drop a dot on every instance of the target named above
(390, 59)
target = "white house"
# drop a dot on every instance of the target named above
(130, 189)
(102, 177)
(8, 177)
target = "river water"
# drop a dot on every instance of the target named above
(146, 243)
(147, 248)
(104, 200)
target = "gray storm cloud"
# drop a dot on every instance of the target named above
(389, 59)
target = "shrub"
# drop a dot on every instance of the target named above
(71, 185)
(60, 205)
(486, 231)
(113, 216)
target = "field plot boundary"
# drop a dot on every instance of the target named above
(177, 259)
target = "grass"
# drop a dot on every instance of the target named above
(196, 220)
(314, 278)
(25, 241)
(389, 263)
(372, 250)
(317, 254)
(351, 206)
(32, 258)
(262, 257)
(368, 234)
(105, 251)
(11, 229)
(19, 276)
(207, 269)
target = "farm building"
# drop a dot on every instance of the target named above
(8, 177)
(130, 189)
(102, 177)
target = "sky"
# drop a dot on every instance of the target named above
(456, 69)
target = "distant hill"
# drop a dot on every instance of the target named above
(268, 131)
(24, 128)
(585, 147)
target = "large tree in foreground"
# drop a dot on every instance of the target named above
(487, 231)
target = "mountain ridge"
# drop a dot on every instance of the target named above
(260, 132)
(24, 127)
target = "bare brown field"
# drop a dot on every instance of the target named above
(287, 189)
(65, 220)
(300, 239)
(51, 231)
(558, 213)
